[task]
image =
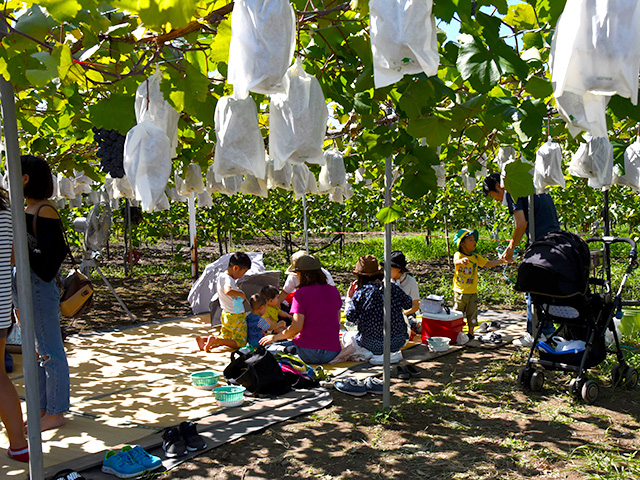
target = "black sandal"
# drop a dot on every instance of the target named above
(67, 474)
(412, 371)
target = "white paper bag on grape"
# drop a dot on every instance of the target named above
(213, 184)
(54, 179)
(279, 178)
(261, 46)
(93, 198)
(231, 185)
(204, 200)
(65, 187)
(147, 162)
(303, 181)
(403, 39)
(82, 183)
(548, 169)
(631, 175)
(122, 188)
(173, 194)
(239, 148)
(254, 186)
(150, 104)
(193, 179)
(333, 173)
(298, 120)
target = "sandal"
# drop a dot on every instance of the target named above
(400, 372)
(412, 371)
(67, 474)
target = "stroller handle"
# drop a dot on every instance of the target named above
(612, 240)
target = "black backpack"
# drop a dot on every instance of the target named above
(258, 371)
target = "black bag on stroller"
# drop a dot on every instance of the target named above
(555, 271)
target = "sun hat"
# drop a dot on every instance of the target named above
(398, 260)
(306, 263)
(291, 270)
(367, 265)
(461, 235)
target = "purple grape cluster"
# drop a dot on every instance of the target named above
(110, 151)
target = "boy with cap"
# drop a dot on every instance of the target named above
(465, 278)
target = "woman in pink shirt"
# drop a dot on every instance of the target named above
(315, 329)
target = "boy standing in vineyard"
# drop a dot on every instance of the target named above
(465, 278)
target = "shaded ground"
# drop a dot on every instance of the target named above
(465, 418)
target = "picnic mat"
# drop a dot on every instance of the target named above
(129, 384)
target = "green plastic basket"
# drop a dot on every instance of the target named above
(205, 380)
(229, 396)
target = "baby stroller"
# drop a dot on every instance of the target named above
(555, 271)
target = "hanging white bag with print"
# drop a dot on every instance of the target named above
(239, 148)
(548, 169)
(601, 152)
(150, 104)
(403, 39)
(298, 120)
(261, 46)
(333, 173)
(279, 178)
(631, 175)
(147, 162)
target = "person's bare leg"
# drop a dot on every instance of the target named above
(201, 341)
(213, 342)
(344, 354)
(10, 409)
(49, 422)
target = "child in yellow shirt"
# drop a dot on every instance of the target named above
(274, 312)
(465, 278)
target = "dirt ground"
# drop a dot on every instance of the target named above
(464, 418)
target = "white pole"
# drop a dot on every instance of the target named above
(305, 223)
(23, 275)
(386, 393)
(193, 241)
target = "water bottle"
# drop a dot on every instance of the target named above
(238, 305)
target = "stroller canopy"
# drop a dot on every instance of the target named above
(556, 265)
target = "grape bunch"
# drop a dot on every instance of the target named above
(110, 151)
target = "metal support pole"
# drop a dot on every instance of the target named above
(386, 394)
(193, 240)
(23, 276)
(532, 238)
(606, 254)
(127, 237)
(305, 223)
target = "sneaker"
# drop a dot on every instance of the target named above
(351, 386)
(142, 457)
(121, 465)
(493, 326)
(395, 357)
(374, 385)
(192, 439)
(172, 443)
(527, 340)
(492, 337)
(483, 327)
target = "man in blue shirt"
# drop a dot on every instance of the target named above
(545, 220)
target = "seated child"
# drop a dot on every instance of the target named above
(257, 325)
(465, 278)
(274, 312)
(234, 326)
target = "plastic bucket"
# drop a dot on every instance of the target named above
(630, 322)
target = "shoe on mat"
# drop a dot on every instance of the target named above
(121, 465)
(493, 326)
(374, 385)
(142, 457)
(483, 327)
(350, 386)
(492, 337)
(527, 340)
(68, 474)
(395, 357)
(400, 372)
(21, 455)
(172, 443)
(192, 439)
(413, 371)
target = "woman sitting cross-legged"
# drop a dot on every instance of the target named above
(315, 329)
(366, 310)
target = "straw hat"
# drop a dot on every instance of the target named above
(307, 262)
(291, 270)
(367, 265)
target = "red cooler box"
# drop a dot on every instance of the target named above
(442, 325)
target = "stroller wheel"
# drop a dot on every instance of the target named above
(524, 376)
(590, 391)
(537, 381)
(630, 378)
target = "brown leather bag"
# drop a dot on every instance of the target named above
(76, 288)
